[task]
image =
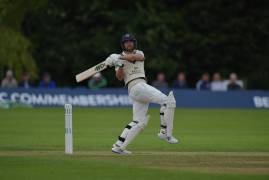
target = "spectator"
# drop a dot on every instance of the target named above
(233, 85)
(180, 82)
(160, 82)
(25, 81)
(46, 82)
(97, 81)
(203, 83)
(217, 84)
(9, 81)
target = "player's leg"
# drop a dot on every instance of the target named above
(122, 138)
(140, 120)
(168, 118)
(163, 122)
(147, 93)
(167, 110)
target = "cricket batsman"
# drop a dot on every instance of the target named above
(129, 66)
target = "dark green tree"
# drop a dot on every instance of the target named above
(15, 52)
(175, 35)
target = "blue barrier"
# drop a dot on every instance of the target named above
(119, 98)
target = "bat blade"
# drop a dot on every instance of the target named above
(91, 71)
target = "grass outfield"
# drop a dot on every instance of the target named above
(214, 144)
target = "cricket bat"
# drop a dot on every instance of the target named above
(91, 71)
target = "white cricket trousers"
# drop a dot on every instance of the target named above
(142, 94)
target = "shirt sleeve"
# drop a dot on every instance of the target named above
(139, 52)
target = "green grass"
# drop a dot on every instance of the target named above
(214, 144)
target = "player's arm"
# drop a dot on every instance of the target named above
(133, 57)
(120, 74)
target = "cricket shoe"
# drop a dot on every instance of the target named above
(118, 150)
(169, 139)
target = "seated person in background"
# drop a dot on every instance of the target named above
(233, 85)
(9, 81)
(97, 81)
(46, 81)
(180, 82)
(160, 82)
(217, 84)
(25, 81)
(203, 83)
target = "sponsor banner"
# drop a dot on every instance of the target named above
(59, 97)
(119, 98)
(235, 99)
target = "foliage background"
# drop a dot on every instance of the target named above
(65, 37)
